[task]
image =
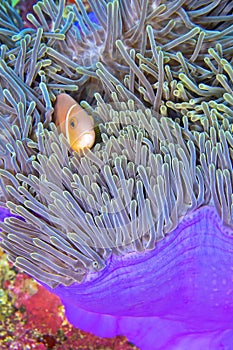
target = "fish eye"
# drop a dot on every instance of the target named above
(73, 123)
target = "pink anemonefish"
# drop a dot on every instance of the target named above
(74, 122)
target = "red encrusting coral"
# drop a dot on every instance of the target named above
(33, 318)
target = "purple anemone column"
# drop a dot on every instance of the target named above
(178, 296)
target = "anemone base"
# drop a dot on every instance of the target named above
(178, 296)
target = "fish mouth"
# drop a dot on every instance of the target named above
(85, 140)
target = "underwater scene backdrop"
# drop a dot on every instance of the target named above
(116, 166)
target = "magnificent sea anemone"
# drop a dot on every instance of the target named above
(135, 234)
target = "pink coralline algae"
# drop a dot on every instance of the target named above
(33, 318)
